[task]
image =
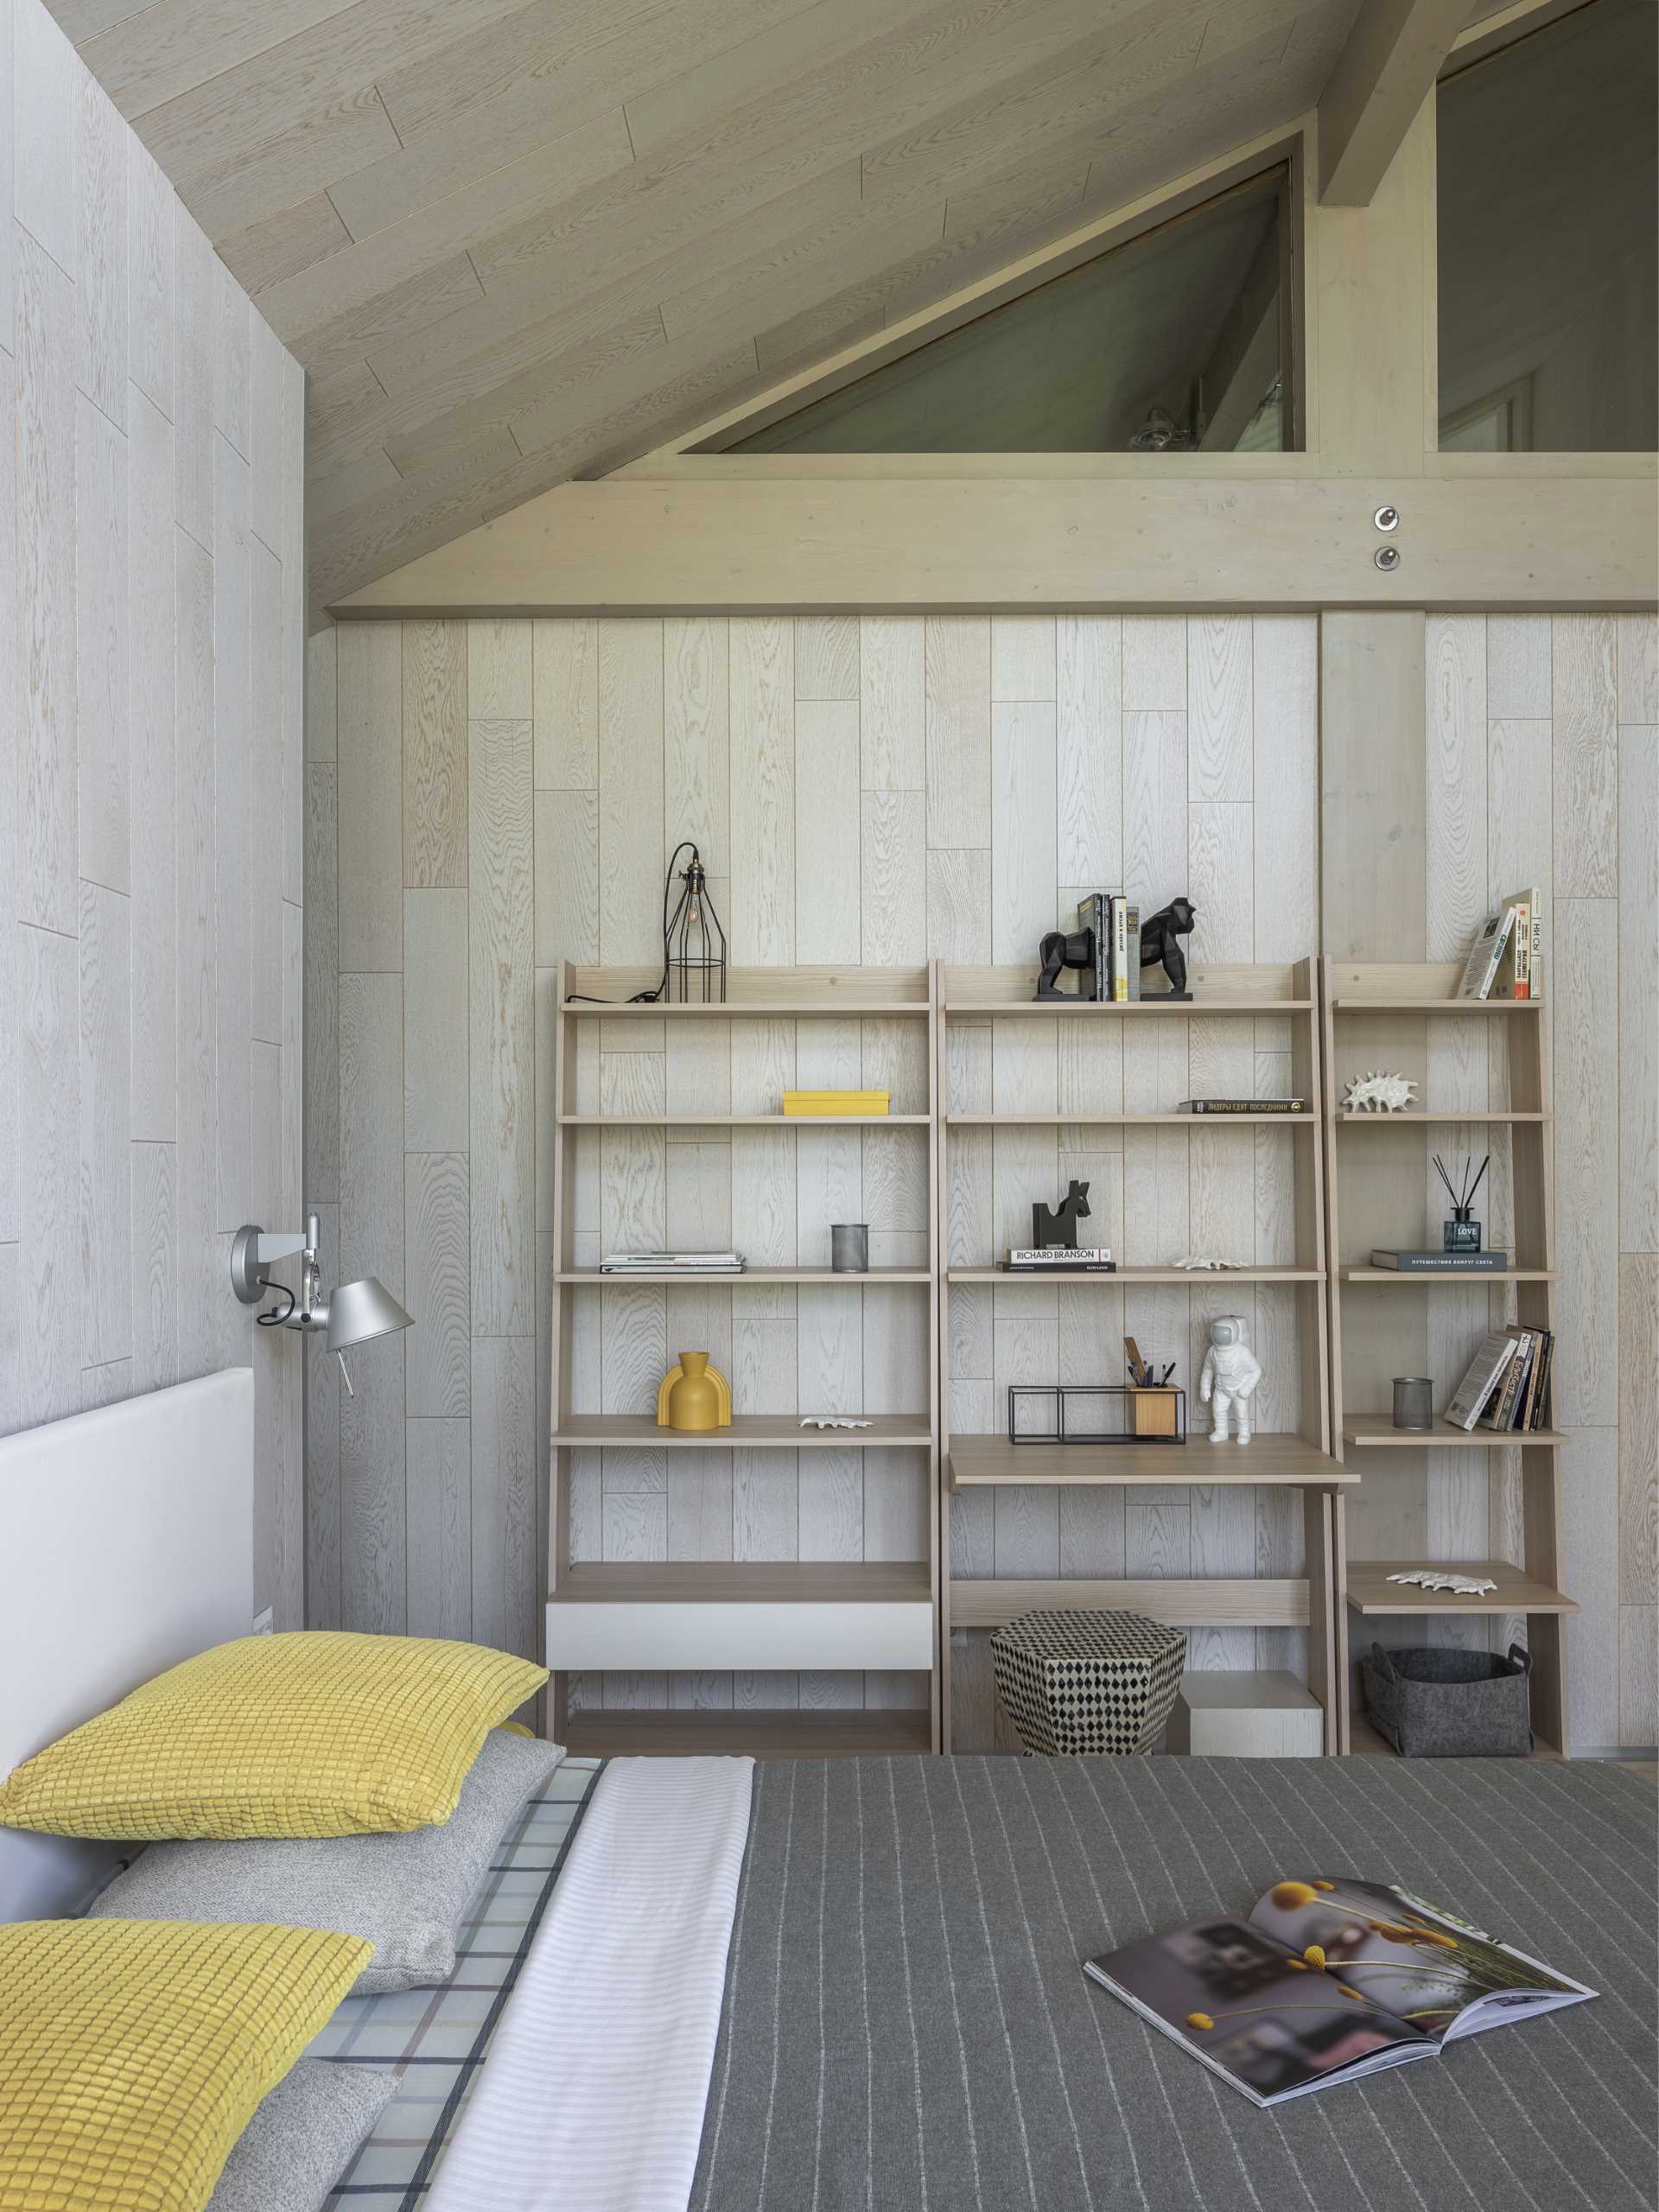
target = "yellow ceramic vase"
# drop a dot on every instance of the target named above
(694, 1396)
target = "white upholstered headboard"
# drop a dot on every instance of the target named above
(126, 1544)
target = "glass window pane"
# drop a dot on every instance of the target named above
(1548, 178)
(1175, 340)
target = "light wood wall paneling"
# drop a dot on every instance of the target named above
(436, 1090)
(506, 1573)
(11, 797)
(232, 819)
(45, 582)
(762, 925)
(153, 870)
(438, 1257)
(155, 1266)
(434, 755)
(1374, 849)
(440, 1528)
(50, 1310)
(502, 970)
(828, 881)
(106, 1147)
(324, 1534)
(1638, 1015)
(100, 626)
(631, 791)
(370, 786)
(564, 658)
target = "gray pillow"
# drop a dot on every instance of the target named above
(405, 1893)
(295, 2148)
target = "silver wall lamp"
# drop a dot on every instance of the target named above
(356, 1312)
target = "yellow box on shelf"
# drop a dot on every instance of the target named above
(817, 1104)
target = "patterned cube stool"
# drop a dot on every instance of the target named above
(1088, 1683)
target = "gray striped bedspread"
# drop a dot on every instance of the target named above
(907, 2027)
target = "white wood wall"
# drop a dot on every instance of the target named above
(1542, 767)
(152, 608)
(485, 797)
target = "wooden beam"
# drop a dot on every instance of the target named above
(1382, 76)
(631, 546)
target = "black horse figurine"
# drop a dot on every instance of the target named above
(1059, 1225)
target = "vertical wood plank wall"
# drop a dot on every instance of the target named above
(483, 797)
(1534, 760)
(152, 626)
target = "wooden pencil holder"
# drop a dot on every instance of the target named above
(1153, 1411)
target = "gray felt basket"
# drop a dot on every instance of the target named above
(1447, 1703)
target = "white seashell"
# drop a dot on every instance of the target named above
(1377, 1092)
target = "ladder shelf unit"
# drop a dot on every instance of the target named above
(1481, 1066)
(693, 1616)
(982, 998)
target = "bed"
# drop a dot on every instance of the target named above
(901, 2020)
(710, 1983)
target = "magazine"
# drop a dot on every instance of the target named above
(1326, 1982)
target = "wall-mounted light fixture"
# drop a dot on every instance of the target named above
(356, 1312)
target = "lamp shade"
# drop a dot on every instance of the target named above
(357, 1311)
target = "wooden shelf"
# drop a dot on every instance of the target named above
(748, 1431)
(1262, 1601)
(755, 1582)
(976, 1010)
(1131, 1120)
(753, 1010)
(1099, 1278)
(1433, 1278)
(1366, 1429)
(1369, 1592)
(1418, 1116)
(1435, 1006)
(744, 1120)
(987, 1462)
(1364, 1742)
(880, 1276)
(843, 1734)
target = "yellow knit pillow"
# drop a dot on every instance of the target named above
(311, 1734)
(133, 2052)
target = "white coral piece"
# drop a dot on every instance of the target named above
(1194, 1259)
(1377, 1092)
(1461, 1585)
(833, 1420)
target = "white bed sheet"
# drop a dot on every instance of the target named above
(620, 1995)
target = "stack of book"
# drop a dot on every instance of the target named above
(1507, 1385)
(1506, 959)
(819, 1104)
(1115, 921)
(1059, 1258)
(671, 1263)
(1243, 1106)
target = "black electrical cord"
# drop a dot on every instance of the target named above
(652, 997)
(273, 1318)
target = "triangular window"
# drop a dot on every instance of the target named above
(1177, 340)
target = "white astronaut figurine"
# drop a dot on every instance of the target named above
(1230, 1371)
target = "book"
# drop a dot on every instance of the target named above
(1132, 932)
(1486, 955)
(1441, 1263)
(1538, 1412)
(1092, 916)
(679, 1263)
(1503, 1404)
(1482, 1375)
(1243, 1106)
(1327, 1980)
(1120, 962)
(1059, 1255)
(820, 1104)
(1514, 979)
(1052, 1267)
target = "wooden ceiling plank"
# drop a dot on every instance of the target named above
(283, 244)
(177, 45)
(246, 188)
(1382, 76)
(789, 276)
(362, 272)
(80, 20)
(434, 294)
(245, 109)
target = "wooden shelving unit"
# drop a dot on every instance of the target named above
(749, 1616)
(1405, 1017)
(1301, 1459)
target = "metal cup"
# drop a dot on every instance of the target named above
(1413, 1402)
(849, 1248)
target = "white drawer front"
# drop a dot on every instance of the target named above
(597, 1634)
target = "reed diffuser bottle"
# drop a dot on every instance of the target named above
(1461, 1232)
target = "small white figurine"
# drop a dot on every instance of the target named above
(1377, 1093)
(1230, 1373)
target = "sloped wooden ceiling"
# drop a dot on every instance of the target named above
(517, 243)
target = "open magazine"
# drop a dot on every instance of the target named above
(1326, 1982)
